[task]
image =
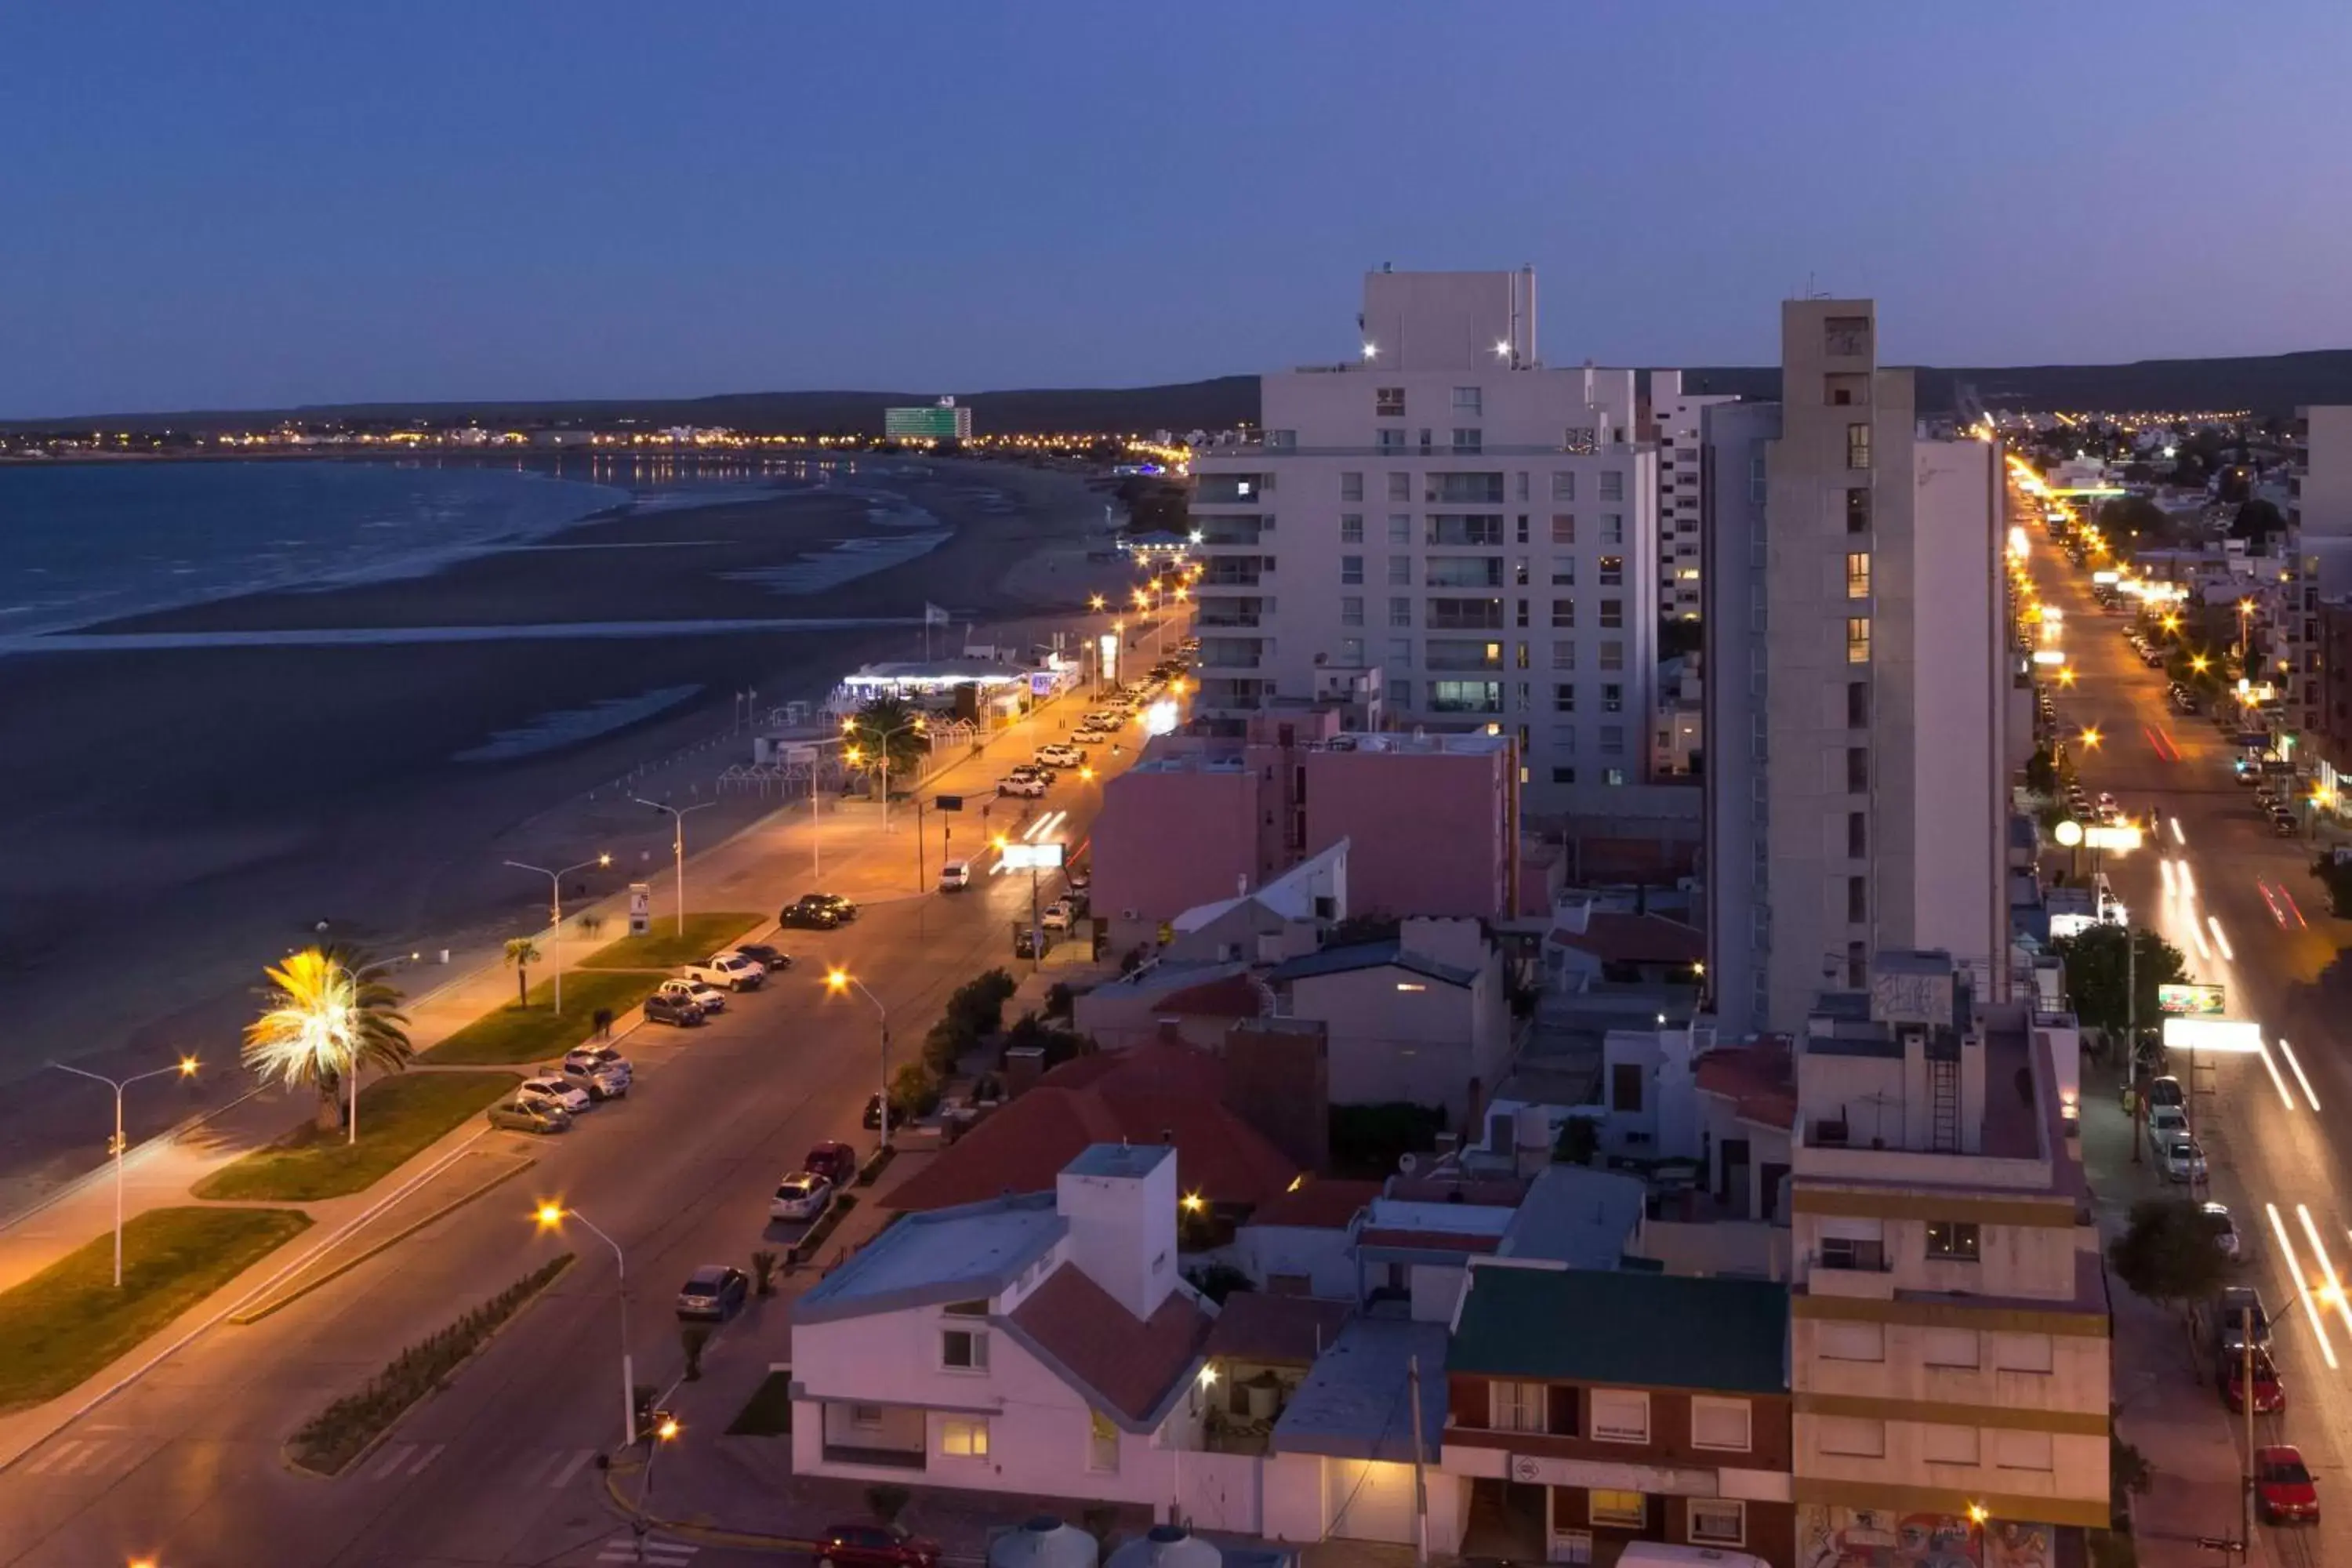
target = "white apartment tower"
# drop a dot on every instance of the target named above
(1678, 417)
(1441, 534)
(1856, 762)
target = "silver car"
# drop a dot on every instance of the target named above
(528, 1116)
(555, 1088)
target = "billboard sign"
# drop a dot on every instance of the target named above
(2227, 1034)
(2189, 1001)
(1032, 856)
(1107, 650)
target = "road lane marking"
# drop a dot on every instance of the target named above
(2197, 935)
(2222, 938)
(426, 1458)
(2288, 1052)
(2264, 1052)
(394, 1457)
(65, 1457)
(2294, 1272)
(564, 1478)
(531, 1478)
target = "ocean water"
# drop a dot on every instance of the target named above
(85, 542)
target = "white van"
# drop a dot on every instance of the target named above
(955, 876)
(1660, 1554)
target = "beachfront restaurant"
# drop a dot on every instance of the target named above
(994, 690)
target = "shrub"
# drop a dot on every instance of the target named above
(914, 1090)
(1369, 1139)
(888, 1502)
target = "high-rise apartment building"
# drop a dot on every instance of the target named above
(1856, 762)
(1441, 534)
(1678, 417)
(1948, 1345)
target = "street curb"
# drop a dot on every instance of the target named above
(73, 1185)
(247, 1320)
(705, 1534)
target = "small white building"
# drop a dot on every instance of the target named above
(1423, 1017)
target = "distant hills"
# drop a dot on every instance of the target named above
(2273, 384)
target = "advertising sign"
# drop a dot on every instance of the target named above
(1032, 856)
(2189, 1001)
(1107, 650)
(2212, 1035)
(1041, 683)
(641, 909)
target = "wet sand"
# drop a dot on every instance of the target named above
(178, 817)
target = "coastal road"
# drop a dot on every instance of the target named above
(2241, 906)
(501, 1467)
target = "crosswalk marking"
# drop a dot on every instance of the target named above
(555, 1468)
(652, 1550)
(67, 1458)
(571, 1467)
(403, 1458)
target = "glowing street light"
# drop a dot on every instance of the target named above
(555, 914)
(2091, 737)
(550, 1216)
(840, 982)
(678, 844)
(119, 1147)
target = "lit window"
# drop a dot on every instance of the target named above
(1410, 986)
(1615, 1509)
(961, 1439)
(1857, 446)
(1612, 570)
(1952, 1240)
(1857, 639)
(1857, 574)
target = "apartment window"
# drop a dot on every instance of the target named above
(1399, 528)
(866, 1417)
(1520, 650)
(1399, 612)
(1720, 1424)
(1858, 899)
(1465, 696)
(1950, 1347)
(1847, 337)
(1621, 1415)
(1425, 447)
(1282, 441)
(1613, 777)
(1563, 614)
(1522, 619)
(2013, 1450)
(1399, 485)
(1102, 1443)
(1716, 1522)
(1625, 1086)
(1563, 486)
(1857, 574)
(1865, 1254)
(1467, 401)
(964, 1350)
(1850, 1341)
(1759, 480)
(1613, 528)
(1400, 693)
(1388, 403)
(1563, 655)
(1563, 698)
(964, 1440)
(1351, 487)
(1942, 1445)
(1392, 443)
(1857, 639)
(1563, 526)
(1351, 653)
(1857, 704)
(1851, 1434)
(1351, 569)
(1857, 769)
(1521, 532)
(1857, 446)
(1609, 1510)
(1857, 511)
(1401, 648)
(1952, 1240)
(1351, 610)
(1563, 572)
(1563, 775)
(1400, 571)
(1612, 484)
(1857, 835)
(1515, 1406)
(1612, 654)
(1468, 440)
(1519, 484)
(1612, 570)
(1352, 528)
(1613, 698)
(1519, 572)
(1612, 740)
(2021, 1352)
(1613, 613)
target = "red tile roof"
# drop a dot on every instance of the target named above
(1758, 1079)
(1234, 996)
(1130, 1365)
(1280, 1329)
(1160, 1092)
(1636, 939)
(1327, 1204)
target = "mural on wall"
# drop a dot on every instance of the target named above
(1881, 1538)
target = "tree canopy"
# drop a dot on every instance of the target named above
(2095, 962)
(2168, 1253)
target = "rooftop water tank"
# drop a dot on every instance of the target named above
(1167, 1546)
(1043, 1542)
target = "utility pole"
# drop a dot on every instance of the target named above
(2131, 1033)
(1420, 1478)
(2246, 1491)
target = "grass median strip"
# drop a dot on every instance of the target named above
(664, 947)
(399, 1117)
(341, 1433)
(69, 1323)
(536, 1033)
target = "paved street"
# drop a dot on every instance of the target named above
(503, 1465)
(2250, 917)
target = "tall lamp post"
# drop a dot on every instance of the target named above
(555, 914)
(882, 739)
(551, 1217)
(677, 846)
(117, 1148)
(840, 982)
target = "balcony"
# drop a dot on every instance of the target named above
(892, 1458)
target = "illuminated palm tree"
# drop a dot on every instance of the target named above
(325, 1017)
(522, 953)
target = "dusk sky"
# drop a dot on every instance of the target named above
(261, 205)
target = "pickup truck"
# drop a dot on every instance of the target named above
(730, 971)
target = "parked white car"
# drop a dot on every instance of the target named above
(800, 1196)
(1057, 755)
(2183, 1161)
(553, 1088)
(730, 971)
(1056, 915)
(1027, 789)
(603, 1071)
(708, 997)
(2165, 1122)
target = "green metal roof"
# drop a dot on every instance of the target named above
(1635, 1330)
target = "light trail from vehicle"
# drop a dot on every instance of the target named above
(2171, 888)
(2288, 1052)
(2319, 1250)
(2197, 935)
(2286, 1095)
(2188, 878)
(2294, 1272)
(2178, 837)
(2220, 939)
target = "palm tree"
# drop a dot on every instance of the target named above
(890, 726)
(325, 1016)
(522, 953)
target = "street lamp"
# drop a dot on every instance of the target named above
(117, 1148)
(839, 981)
(678, 845)
(555, 914)
(551, 1216)
(882, 739)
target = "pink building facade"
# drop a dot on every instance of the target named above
(1432, 821)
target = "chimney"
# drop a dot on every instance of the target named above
(1024, 1066)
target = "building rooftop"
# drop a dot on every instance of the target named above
(1628, 1329)
(1317, 1204)
(1356, 1401)
(1130, 1368)
(948, 1255)
(1284, 1331)
(1572, 1215)
(1760, 1079)
(1128, 1162)
(1634, 939)
(1355, 956)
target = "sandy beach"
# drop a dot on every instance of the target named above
(180, 814)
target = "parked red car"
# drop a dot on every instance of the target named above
(2270, 1394)
(837, 1162)
(873, 1546)
(2282, 1486)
